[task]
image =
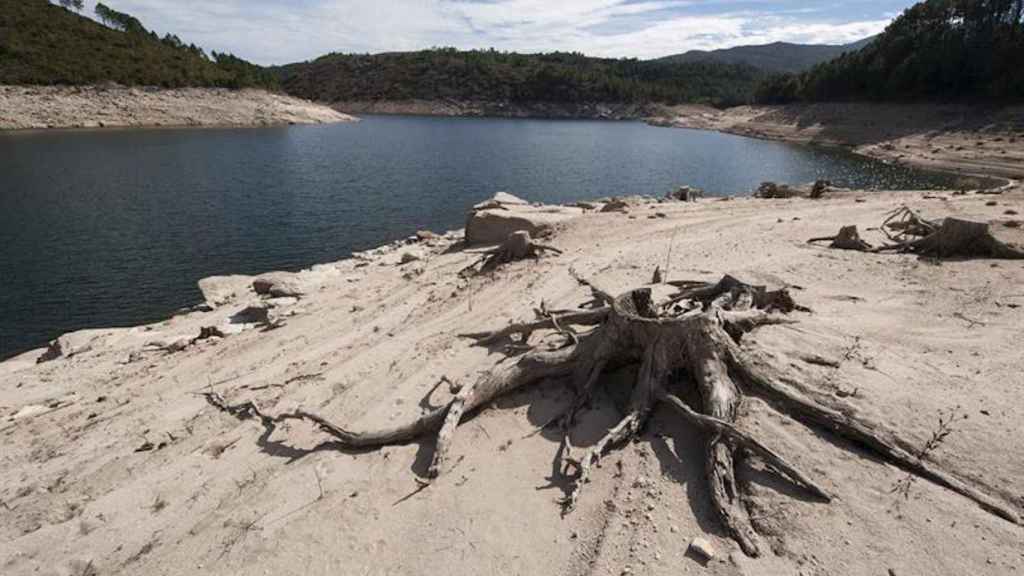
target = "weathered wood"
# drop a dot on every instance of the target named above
(695, 343)
(848, 238)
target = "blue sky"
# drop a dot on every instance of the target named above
(277, 32)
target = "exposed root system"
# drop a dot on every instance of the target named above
(691, 343)
(908, 232)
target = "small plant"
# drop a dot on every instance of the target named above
(946, 421)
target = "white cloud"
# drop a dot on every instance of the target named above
(270, 32)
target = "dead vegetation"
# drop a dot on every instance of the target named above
(909, 233)
(689, 345)
(518, 246)
(769, 190)
(945, 426)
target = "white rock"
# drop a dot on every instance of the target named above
(702, 548)
(493, 225)
(278, 285)
(219, 290)
(80, 342)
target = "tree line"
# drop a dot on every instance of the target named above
(936, 50)
(51, 43)
(495, 76)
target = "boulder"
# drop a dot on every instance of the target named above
(278, 285)
(501, 200)
(252, 314)
(702, 548)
(75, 343)
(493, 221)
(220, 290)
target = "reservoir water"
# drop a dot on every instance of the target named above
(114, 228)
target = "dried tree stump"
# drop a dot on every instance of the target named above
(691, 342)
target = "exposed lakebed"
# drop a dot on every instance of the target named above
(108, 228)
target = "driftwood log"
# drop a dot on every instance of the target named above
(690, 342)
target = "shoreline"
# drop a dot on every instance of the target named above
(685, 119)
(611, 111)
(972, 180)
(985, 143)
(369, 338)
(42, 108)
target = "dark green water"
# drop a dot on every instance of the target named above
(109, 228)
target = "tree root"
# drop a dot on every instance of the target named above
(518, 246)
(959, 238)
(693, 342)
(950, 238)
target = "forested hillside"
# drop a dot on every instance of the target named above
(45, 43)
(450, 74)
(777, 57)
(936, 50)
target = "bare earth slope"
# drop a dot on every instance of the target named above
(28, 107)
(114, 464)
(951, 137)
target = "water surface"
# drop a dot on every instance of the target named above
(108, 228)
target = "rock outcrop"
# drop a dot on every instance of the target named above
(492, 222)
(278, 285)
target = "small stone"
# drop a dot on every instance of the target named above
(673, 529)
(702, 548)
(409, 257)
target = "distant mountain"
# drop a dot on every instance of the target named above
(43, 43)
(775, 57)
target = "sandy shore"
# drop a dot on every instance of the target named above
(968, 140)
(35, 107)
(113, 464)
